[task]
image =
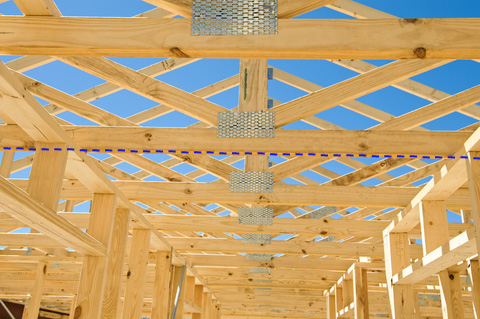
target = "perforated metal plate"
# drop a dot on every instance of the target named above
(259, 257)
(259, 270)
(255, 216)
(264, 239)
(234, 17)
(251, 182)
(329, 239)
(246, 124)
(261, 280)
(322, 212)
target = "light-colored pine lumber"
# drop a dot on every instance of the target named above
(132, 307)
(290, 141)
(344, 38)
(161, 288)
(115, 264)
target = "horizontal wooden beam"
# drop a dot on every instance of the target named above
(283, 247)
(21, 206)
(297, 39)
(318, 227)
(290, 141)
(209, 224)
(283, 262)
(456, 250)
(282, 194)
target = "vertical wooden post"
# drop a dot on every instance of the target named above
(338, 298)
(397, 257)
(46, 175)
(207, 305)
(474, 273)
(347, 292)
(216, 310)
(198, 301)
(137, 268)
(451, 295)
(190, 288)
(93, 275)
(45, 185)
(6, 165)
(178, 295)
(360, 287)
(331, 311)
(434, 223)
(253, 95)
(162, 284)
(473, 169)
(72, 308)
(116, 260)
(32, 308)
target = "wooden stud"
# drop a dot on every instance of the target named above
(161, 286)
(474, 273)
(177, 292)
(360, 293)
(331, 310)
(339, 304)
(397, 257)
(473, 169)
(434, 223)
(116, 261)
(207, 306)
(44, 185)
(348, 292)
(451, 295)
(6, 164)
(32, 307)
(132, 307)
(198, 301)
(92, 278)
(190, 288)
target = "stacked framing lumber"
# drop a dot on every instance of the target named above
(157, 250)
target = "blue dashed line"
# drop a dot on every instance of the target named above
(110, 150)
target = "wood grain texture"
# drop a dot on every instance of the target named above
(343, 38)
(132, 307)
(290, 141)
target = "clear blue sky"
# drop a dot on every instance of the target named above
(451, 78)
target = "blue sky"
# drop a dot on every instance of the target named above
(451, 78)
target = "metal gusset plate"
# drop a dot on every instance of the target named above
(261, 280)
(264, 239)
(322, 212)
(328, 239)
(259, 270)
(255, 216)
(246, 124)
(259, 257)
(234, 17)
(251, 182)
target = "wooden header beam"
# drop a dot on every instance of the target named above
(290, 141)
(297, 39)
(360, 196)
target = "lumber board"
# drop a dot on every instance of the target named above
(289, 141)
(21, 206)
(280, 226)
(456, 250)
(282, 247)
(395, 39)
